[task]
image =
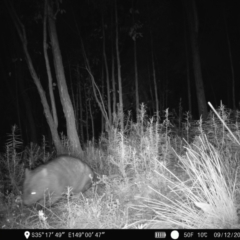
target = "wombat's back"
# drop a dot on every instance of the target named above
(56, 176)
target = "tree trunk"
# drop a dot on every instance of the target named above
(188, 69)
(114, 88)
(113, 70)
(120, 110)
(103, 124)
(80, 112)
(91, 118)
(107, 76)
(231, 62)
(135, 34)
(193, 22)
(136, 78)
(86, 112)
(155, 81)
(62, 87)
(48, 68)
(28, 118)
(22, 35)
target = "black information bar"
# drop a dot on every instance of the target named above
(111, 234)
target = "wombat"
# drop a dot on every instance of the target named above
(53, 179)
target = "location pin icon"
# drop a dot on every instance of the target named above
(27, 234)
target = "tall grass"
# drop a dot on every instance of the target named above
(157, 175)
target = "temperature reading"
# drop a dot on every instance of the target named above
(188, 234)
(202, 234)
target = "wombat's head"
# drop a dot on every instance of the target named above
(34, 186)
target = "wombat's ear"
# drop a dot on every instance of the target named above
(27, 173)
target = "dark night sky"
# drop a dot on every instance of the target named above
(165, 19)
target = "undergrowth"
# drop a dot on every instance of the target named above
(154, 174)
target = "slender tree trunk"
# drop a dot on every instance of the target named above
(155, 86)
(231, 62)
(193, 22)
(77, 108)
(97, 93)
(86, 112)
(107, 75)
(188, 69)
(155, 80)
(62, 87)
(113, 68)
(152, 98)
(135, 34)
(120, 110)
(17, 98)
(166, 87)
(91, 118)
(103, 96)
(114, 87)
(28, 116)
(50, 81)
(22, 35)
(136, 78)
(80, 111)
(74, 96)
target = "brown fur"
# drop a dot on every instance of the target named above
(54, 177)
